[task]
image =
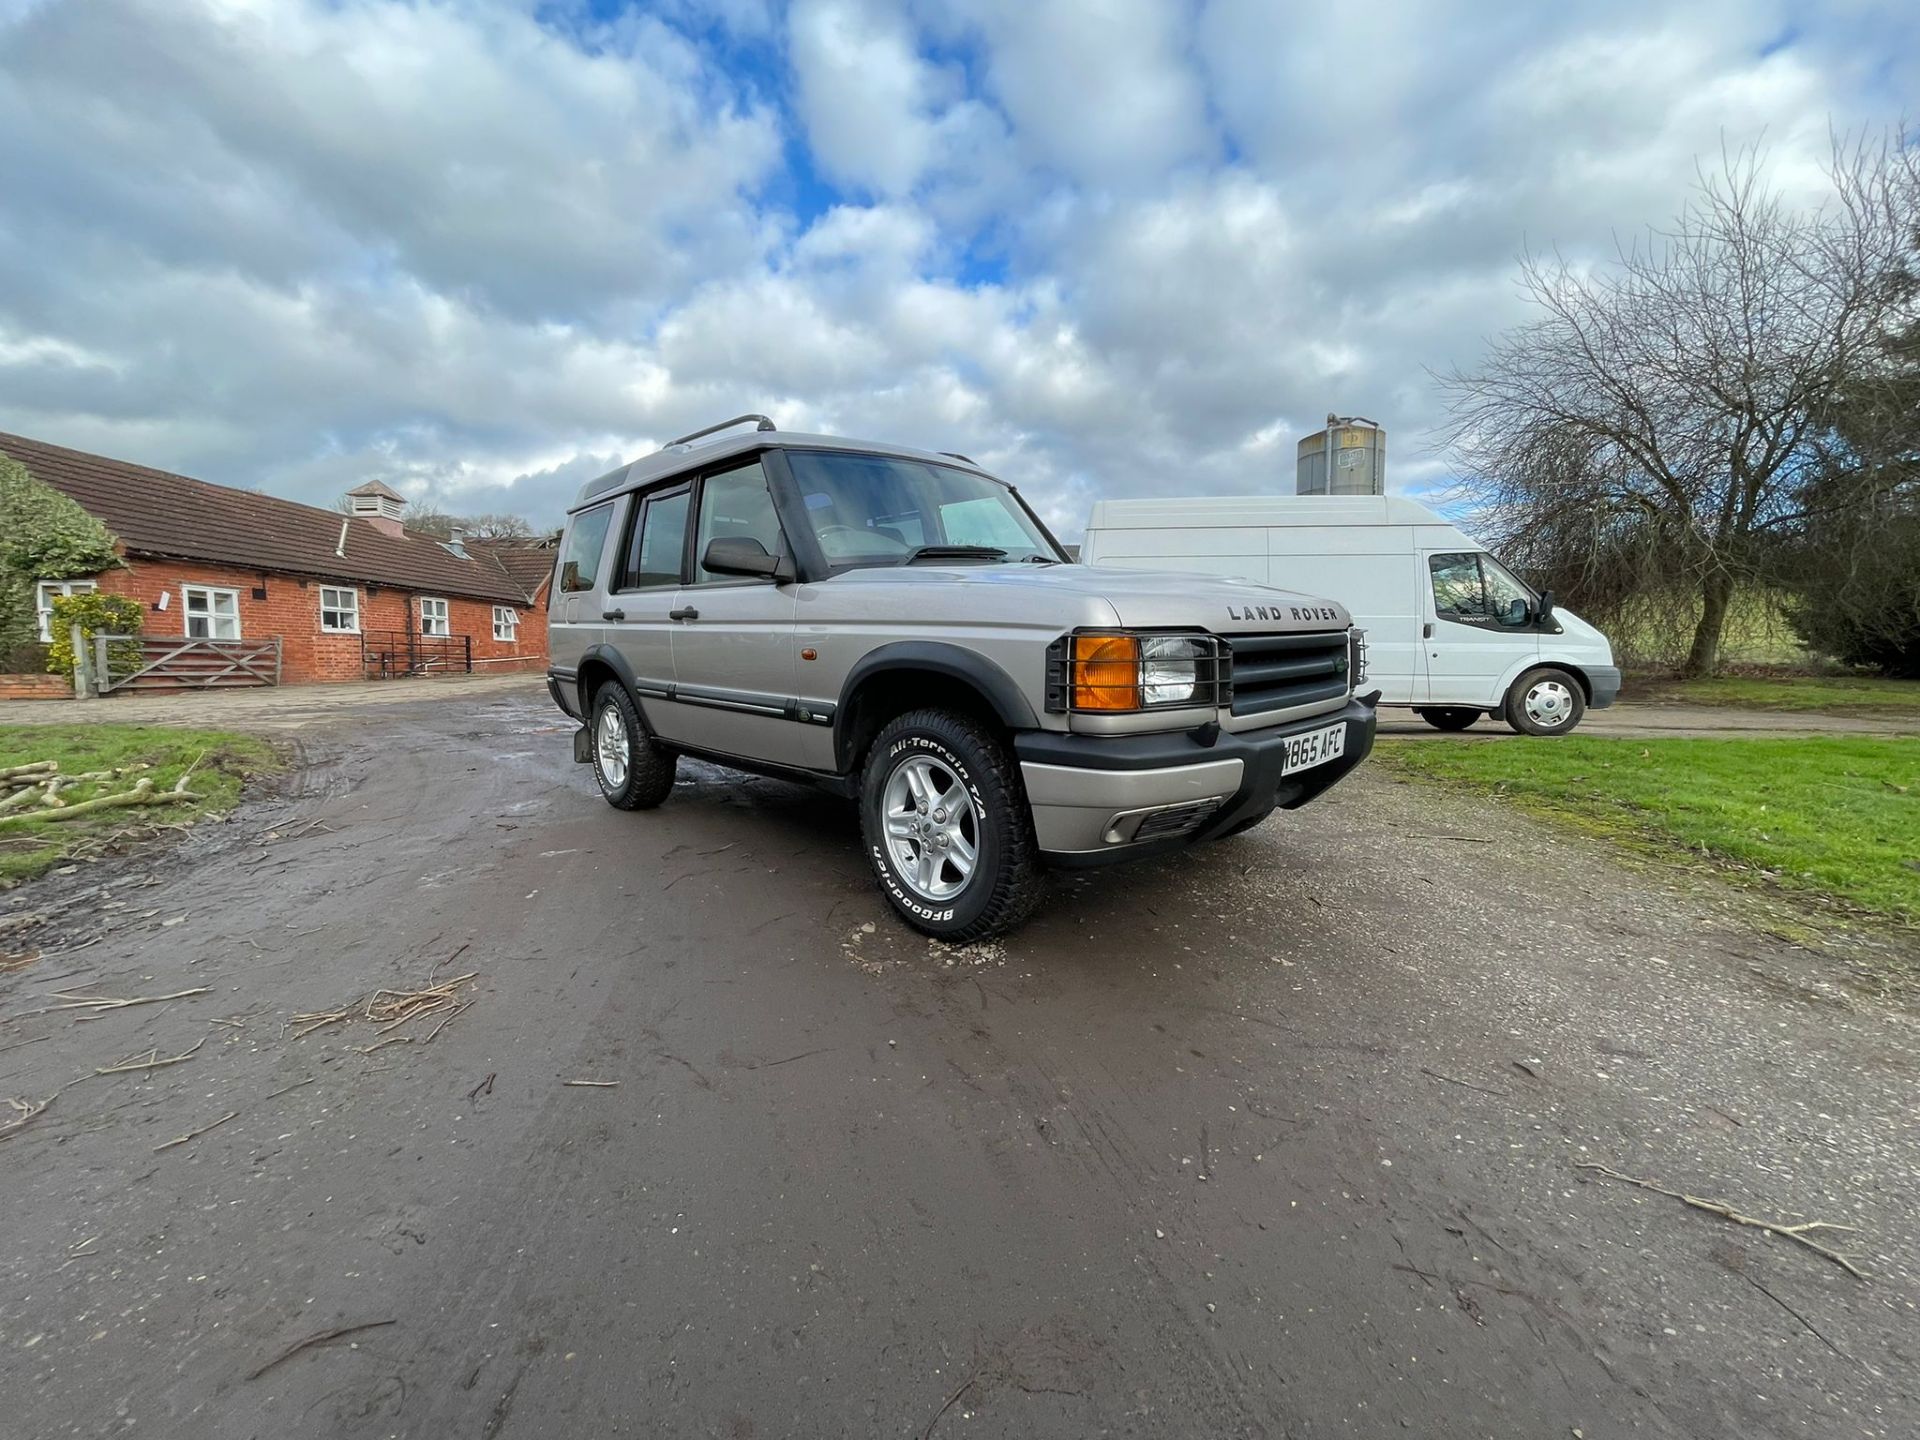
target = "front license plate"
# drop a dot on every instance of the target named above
(1316, 747)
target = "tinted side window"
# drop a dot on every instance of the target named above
(657, 544)
(1457, 586)
(580, 567)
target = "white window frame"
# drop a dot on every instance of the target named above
(506, 623)
(43, 593)
(353, 609)
(443, 616)
(187, 613)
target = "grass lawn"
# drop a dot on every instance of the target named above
(1834, 817)
(221, 762)
(1834, 695)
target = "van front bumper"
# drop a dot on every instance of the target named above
(1101, 799)
(1604, 683)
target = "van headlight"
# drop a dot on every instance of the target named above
(1116, 671)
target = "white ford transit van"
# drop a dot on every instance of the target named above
(1450, 631)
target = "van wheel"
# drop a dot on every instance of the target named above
(634, 773)
(1545, 702)
(1448, 717)
(946, 825)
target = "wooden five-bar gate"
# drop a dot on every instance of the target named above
(155, 662)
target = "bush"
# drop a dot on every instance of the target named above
(96, 614)
(1863, 608)
(23, 659)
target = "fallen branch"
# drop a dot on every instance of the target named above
(31, 767)
(1465, 1084)
(312, 1340)
(21, 798)
(99, 1003)
(1795, 1233)
(26, 1110)
(593, 1084)
(141, 794)
(196, 1134)
(150, 1063)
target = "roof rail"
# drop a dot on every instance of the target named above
(764, 424)
(956, 455)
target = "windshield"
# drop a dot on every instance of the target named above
(878, 510)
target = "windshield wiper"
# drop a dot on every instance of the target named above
(954, 552)
(1040, 560)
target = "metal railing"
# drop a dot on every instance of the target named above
(391, 654)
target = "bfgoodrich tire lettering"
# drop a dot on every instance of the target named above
(632, 771)
(1005, 880)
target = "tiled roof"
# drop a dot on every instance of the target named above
(154, 512)
(528, 562)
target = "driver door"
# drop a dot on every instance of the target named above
(734, 654)
(1470, 645)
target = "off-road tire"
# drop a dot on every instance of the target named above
(1573, 703)
(1007, 880)
(1448, 717)
(650, 769)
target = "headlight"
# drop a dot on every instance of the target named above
(1121, 672)
(1169, 670)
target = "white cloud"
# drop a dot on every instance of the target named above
(487, 250)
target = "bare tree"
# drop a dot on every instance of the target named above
(1656, 423)
(496, 525)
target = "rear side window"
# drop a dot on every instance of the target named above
(657, 543)
(580, 567)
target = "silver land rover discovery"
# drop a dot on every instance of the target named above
(899, 628)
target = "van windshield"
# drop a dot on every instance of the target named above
(881, 510)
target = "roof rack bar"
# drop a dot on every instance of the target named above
(764, 424)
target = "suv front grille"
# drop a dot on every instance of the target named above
(1280, 672)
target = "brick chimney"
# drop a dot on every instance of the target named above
(379, 505)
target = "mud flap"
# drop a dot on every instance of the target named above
(582, 746)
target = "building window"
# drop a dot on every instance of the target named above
(209, 613)
(339, 610)
(433, 617)
(506, 622)
(44, 595)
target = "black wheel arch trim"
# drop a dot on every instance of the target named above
(613, 660)
(997, 687)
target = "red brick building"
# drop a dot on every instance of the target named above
(348, 596)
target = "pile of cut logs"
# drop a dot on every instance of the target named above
(36, 790)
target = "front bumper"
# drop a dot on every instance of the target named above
(1094, 797)
(1604, 682)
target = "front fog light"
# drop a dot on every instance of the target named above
(1169, 670)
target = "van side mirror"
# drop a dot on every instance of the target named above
(1546, 608)
(744, 555)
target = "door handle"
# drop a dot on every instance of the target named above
(685, 612)
(1426, 631)
(613, 614)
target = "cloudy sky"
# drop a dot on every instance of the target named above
(483, 249)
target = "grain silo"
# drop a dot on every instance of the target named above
(1357, 450)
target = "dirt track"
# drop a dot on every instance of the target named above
(1277, 1139)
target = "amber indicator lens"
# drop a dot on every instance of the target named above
(1106, 672)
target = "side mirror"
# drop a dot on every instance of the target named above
(1546, 608)
(744, 555)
